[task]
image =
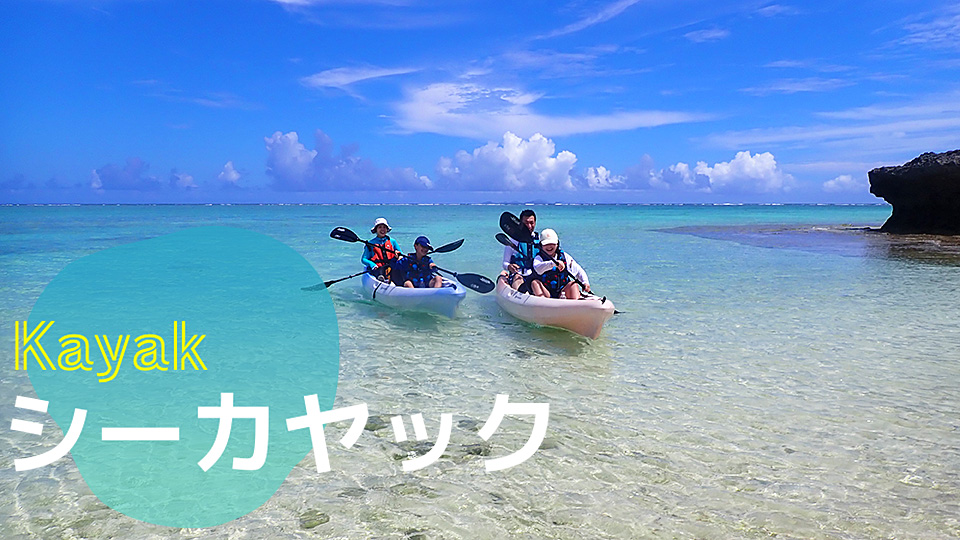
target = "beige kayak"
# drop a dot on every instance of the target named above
(585, 316)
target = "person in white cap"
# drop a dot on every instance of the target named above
(553, 269)
(381, 257)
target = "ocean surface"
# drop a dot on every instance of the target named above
(776, 371)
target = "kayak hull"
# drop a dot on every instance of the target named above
(443, 300)
(585, 316)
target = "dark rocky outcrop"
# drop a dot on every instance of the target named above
(924, 193)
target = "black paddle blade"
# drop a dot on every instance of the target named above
(502, 238)
(317, 287)
(447, 248)
(481, 284)
(345, 234)
(514, 229)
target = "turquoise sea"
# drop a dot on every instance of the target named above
(777, 371)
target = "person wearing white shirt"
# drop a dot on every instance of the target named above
(553, 270)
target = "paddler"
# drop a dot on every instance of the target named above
(518, 263)
(417, 270)
(381, 257)
(553, 268)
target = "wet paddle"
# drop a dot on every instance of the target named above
(476, 282)
(503, 239)
(326, 284)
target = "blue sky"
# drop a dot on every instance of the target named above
(456, 101)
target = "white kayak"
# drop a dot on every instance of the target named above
(585, 316)
(442, 300)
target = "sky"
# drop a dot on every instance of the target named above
(421, 101)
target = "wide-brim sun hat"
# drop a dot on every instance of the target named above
(378, 222)
(549, 236)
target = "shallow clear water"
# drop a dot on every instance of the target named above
(772, 375)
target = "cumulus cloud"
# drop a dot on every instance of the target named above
(229, 177)
(182, 181)
(745, 173)
(293, 167)
(681, 177)
(513, 164)
(130, 177)
(602, 178)
(845, 184)
(757, 173)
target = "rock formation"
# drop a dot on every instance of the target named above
(924, 193)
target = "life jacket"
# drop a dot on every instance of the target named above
(525, 252)
(385, 253)
(553, 279)
(417, 272)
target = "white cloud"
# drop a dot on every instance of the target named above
(845, 183)
(942, 32)
(601, 178)
(472, 110)
(514, 164)
(745, 172)
(130, 177)
(680, 177)
(182, 181)
(710, 34)
(293, 167)
(793, 86)
(604, 15)
(342, 78)
(777, 9)
(229, 176)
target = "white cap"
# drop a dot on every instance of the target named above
(378, 222)
(549, 236)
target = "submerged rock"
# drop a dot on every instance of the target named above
(924, 193)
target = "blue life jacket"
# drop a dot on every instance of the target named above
(417, 272)
(526, 251)
(553, 279)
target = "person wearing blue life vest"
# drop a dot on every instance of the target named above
(518, 263)
(416, 270)
(383, 255)
(553, 278)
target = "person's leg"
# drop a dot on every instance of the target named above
(538, 289)
(572, 291)
(408, 284)
(436, 282)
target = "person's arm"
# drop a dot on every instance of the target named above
(366, 258)
(541, 266)
(507, 255)
(576, 270)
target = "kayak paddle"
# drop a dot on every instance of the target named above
(345, 234)
(476, 282)
(326, 284)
